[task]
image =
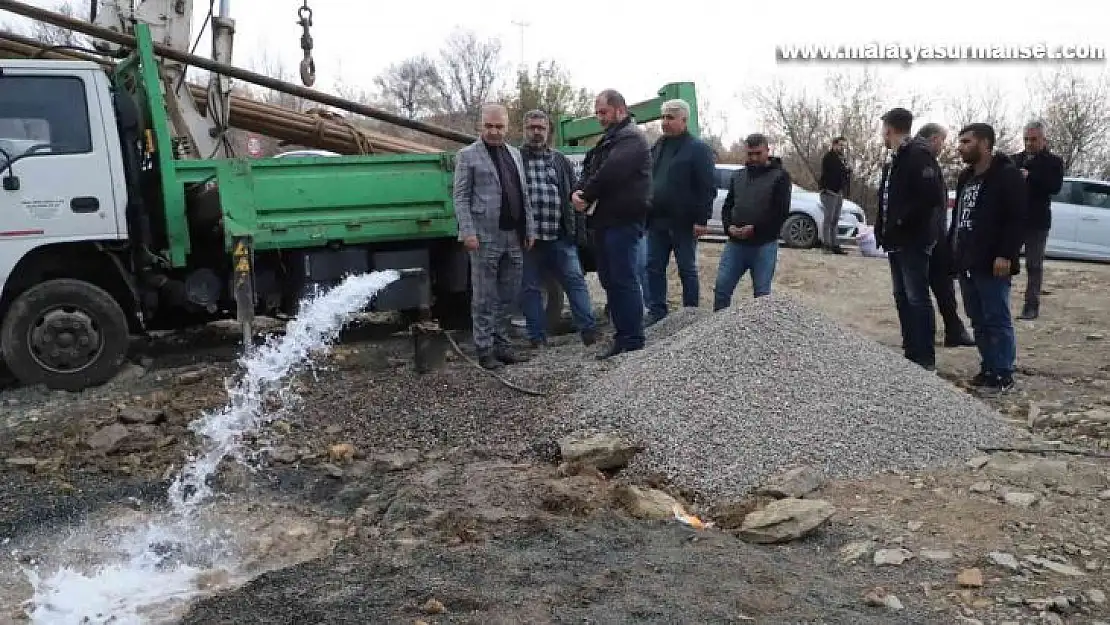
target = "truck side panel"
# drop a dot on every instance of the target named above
(305, 203)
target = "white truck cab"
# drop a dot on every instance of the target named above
(63, 200)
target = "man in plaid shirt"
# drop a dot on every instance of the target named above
(550, 177)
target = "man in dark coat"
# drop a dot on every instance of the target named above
(835, 183)
(683, 189)
(910, 194)
(614, 191)
(940, 263)
(1043, 172)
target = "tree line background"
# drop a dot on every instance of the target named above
(448, 87)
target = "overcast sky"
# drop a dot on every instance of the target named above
(725, 47)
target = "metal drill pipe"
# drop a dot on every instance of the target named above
(62, 21)
(247, 114)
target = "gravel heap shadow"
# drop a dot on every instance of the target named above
(732, 397)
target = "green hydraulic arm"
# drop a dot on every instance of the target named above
(570, 132)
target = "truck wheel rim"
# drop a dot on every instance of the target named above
(65, 339)
(801, 230)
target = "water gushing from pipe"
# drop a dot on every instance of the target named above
(159, 562)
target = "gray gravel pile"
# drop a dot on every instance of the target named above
(739, 395)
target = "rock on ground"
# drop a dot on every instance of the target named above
(603, 451)
(785, 520)
(742, 394)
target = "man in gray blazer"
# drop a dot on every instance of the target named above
(496, 226)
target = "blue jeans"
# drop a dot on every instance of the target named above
(909, 274)
(736, 260)
(559, 257)
(987, 303)
(618, 268)
(660, 243)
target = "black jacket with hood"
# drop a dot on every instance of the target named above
(616, 173)
(758, 196)
(991, 222)
(914, 196)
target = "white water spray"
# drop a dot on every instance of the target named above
(159, 562)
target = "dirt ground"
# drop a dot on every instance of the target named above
(449, 513)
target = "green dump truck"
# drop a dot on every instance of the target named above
(106, 232)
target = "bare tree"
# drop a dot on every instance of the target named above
(802, 123)
(468, 72)
(52, 35)
(1076, 110)
(410, 86)
(55, 36)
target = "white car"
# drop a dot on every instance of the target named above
(803, 226)
(1080, 220)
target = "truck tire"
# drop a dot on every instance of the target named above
(66, 334)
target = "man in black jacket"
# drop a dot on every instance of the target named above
(986, 236)
(683, 188)
(1044, 176)
(614, 191)
(940, 262)
(757, 204)
(910, 194)
(550, 177)
(835, 183)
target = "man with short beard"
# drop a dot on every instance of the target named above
(614, 191)
(550, 178)
(987, 232)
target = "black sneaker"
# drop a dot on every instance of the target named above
(589, 338)
(1028, 313)
(980, 380)
(537, 343)
(998, 384)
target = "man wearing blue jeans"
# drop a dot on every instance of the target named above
(910, 197)
(550, 178)
(613, 191)
(757, 204)
(987, 233)
(683, 188)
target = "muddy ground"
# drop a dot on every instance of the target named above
(450, 511)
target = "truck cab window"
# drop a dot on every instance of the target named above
(38, 110)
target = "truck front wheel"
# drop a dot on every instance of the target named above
(66, 334)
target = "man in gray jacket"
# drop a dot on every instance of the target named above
(496, 226)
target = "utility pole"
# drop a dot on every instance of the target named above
(521, 24)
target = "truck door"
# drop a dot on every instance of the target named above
(60, 184)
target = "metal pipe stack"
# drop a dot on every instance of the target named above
(322, 131)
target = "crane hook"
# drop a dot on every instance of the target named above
(308, 65)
